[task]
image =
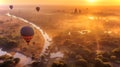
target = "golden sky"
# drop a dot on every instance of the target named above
(61, 2)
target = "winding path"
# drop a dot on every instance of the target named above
(44, 34)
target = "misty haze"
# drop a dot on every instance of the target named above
(55, 34)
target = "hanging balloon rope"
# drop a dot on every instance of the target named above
(11, 8)
(37, 10)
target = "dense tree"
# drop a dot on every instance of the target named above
(113, 57)
(81, 63)
(98, 62)
(107, 65)
(8, 61)
(38, 64)
(59, 64)
(116, 52)
(17, 60)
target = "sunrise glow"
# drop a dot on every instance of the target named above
(1, 2)
(91, 1)
(61, 2)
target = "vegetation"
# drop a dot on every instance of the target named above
(81, 47)
(8, 43)
(84, 53)
(8, 61)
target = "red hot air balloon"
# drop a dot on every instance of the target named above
(27, 33)
(37, 9)
(11, 7)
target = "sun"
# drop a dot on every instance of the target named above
(91, 1)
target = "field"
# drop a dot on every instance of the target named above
(81, 36)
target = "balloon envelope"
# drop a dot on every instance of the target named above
(38, 9)
(11, 7)
(27, 31)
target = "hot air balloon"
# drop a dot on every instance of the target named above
(37, 9)
(27, 33)
(11, 7)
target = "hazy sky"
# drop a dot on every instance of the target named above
(61, 2)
